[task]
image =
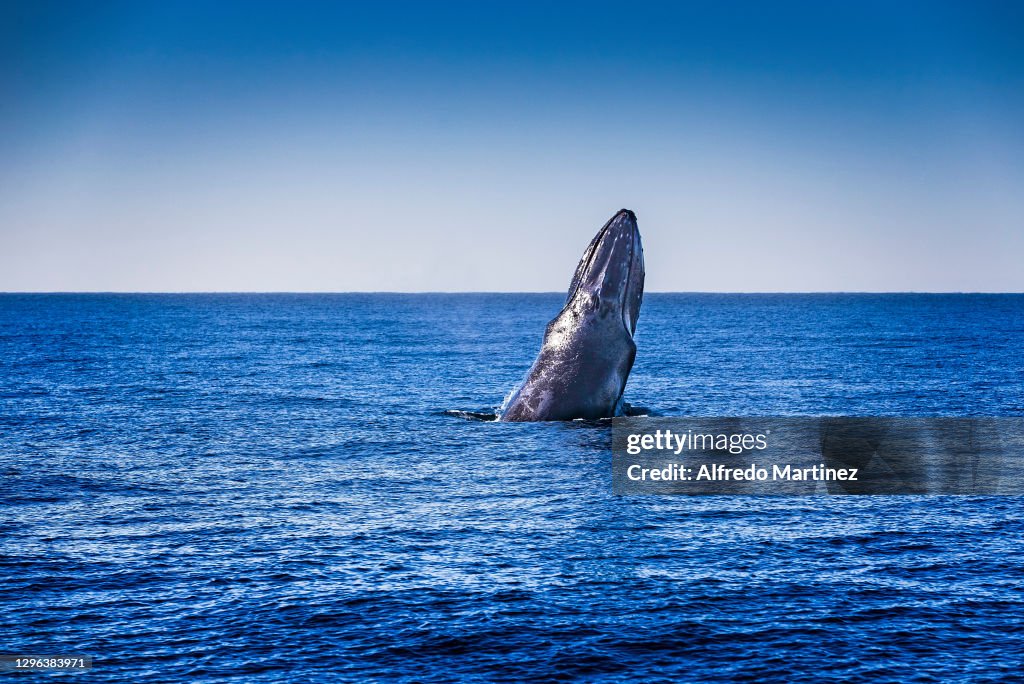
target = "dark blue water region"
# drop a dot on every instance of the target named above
(273, 488)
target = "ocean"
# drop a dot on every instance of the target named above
(295, 488)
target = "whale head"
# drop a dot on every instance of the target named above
(609, 281)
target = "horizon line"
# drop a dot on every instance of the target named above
(490, 292)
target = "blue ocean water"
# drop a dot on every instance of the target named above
(278, 488)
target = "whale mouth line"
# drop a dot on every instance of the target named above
(625, 289)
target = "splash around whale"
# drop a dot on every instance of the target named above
(588, 349)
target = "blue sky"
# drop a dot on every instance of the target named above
(477, 146)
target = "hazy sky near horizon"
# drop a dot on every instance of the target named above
(192, 146)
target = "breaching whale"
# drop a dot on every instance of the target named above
(588, 348)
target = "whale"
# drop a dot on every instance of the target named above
(588, 348)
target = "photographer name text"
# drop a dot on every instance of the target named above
(719, 472)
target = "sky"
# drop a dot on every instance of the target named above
(471, 146)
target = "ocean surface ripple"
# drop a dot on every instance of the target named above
(279, 488)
